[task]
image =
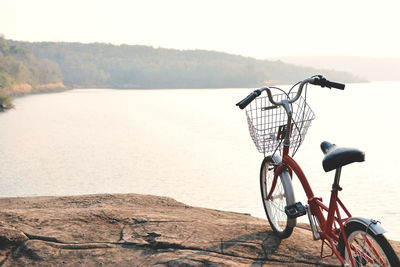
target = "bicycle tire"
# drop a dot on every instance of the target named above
(274, 208)
(355, 233)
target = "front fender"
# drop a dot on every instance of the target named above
(370, 224)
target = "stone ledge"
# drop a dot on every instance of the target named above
(132, 229)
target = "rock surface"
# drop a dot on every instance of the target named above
(142, 230)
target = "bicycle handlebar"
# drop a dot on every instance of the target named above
(321, 81)
(242, 104)
(315, 80)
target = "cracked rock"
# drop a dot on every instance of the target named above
(142, 230)
(11, 237)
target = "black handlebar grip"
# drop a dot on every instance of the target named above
(335, 85)
(326, 146)
(321, 81)
(242, 104)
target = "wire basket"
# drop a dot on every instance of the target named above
(267, 123)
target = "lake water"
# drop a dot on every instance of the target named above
(194, 146)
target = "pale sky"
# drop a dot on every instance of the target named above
(261, 29)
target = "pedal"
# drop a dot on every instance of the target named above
(295, 210)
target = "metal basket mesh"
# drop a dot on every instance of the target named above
(266, 122)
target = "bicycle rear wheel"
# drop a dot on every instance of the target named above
(282, 196)
(367, 249)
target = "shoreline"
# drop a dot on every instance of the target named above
(20, 90)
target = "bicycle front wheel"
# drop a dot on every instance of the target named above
(282, 196)
(367, 249)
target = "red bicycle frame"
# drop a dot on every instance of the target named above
(330, 226)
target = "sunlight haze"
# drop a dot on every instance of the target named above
(132, 132)
(260, 29)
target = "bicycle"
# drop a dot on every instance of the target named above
(278, 123)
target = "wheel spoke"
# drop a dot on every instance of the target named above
(366, 251)
(275, 205)
(277, 202)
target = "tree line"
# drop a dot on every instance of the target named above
(21, 72)
(19, 66)
(100, 65)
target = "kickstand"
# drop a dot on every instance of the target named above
(322, 250)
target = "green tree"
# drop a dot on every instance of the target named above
(5, 80)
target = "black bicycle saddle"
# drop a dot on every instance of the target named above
(336, 157)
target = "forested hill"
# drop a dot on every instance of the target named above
(19, 66)
(132, 66)
(21, 73)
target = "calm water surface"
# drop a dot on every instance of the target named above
(194, 146)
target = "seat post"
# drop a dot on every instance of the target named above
(335, 185)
